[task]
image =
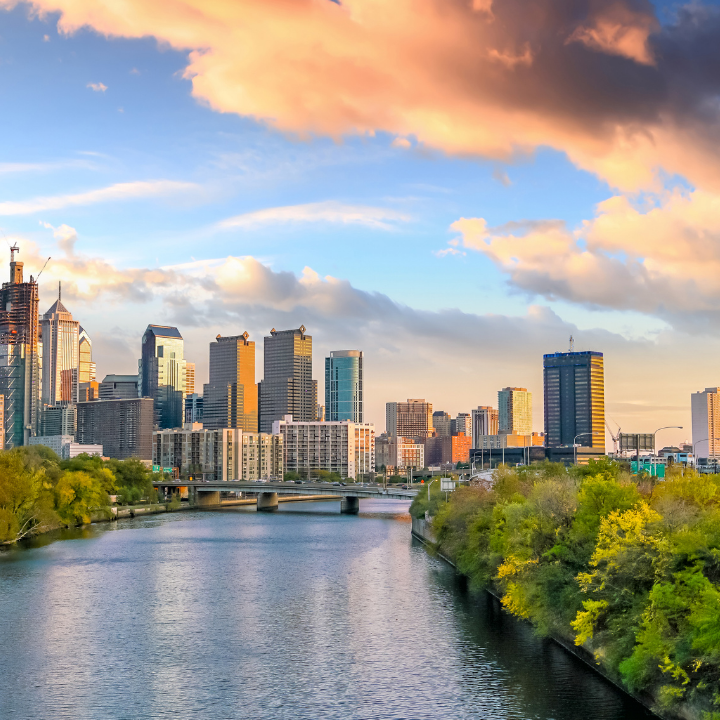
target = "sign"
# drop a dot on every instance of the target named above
(629, 441)
(652, 469)
(447, 484)
(156, 468)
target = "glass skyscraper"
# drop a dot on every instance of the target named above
(61, 362)
(344, 386)
(162, 374)
(574, 399)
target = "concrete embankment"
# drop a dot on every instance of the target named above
(422, 530)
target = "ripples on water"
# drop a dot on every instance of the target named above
(304, 613)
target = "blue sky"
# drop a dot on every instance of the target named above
(141, 124)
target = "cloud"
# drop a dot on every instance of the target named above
(119, 191)
(328, 211)
(97, 87)
(600, 80)
(661, 260)
(401, 142)
(502, 177)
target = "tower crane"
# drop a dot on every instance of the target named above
(615, 438)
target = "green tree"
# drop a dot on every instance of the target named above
(77, 495)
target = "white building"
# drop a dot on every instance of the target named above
(705, 407)
(65, 446)
(343, 447)
(399, 453)
(218, 455)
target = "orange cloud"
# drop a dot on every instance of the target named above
(601, 82)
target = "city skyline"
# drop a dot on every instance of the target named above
(275, 214)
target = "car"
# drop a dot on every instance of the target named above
(298, 482)
(404, 487)
(336, 483)
(343, 484)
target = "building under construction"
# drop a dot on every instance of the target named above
(19, 362)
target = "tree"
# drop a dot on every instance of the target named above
(77, 495)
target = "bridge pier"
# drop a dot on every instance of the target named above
(267, 501)
(208, 498)
(350, 505)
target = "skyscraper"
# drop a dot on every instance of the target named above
(411, 419)
(162, 374)
(61, 361)
(705, 407)
(87, 371)
(442, 422)
(19, 361)
(461, 425)
(574, 399)
(515, 410)
(189, 378)
(287, 387)
(484, 422)
(230, 399)
(344, 386)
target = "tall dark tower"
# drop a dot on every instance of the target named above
(574, 399)
(287, 387)
(19, 365)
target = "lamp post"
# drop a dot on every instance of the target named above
(695, 456)
(427, 512)
(666, 427)
(575, 443)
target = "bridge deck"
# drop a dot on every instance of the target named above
(290, 488)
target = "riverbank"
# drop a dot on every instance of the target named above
(423, 531)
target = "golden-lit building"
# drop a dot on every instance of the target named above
(87, 371)
(411, 419)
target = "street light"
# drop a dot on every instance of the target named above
(694, 455)
(427, 512)
(575, 447)
(666, 427)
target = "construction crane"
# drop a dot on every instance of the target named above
(615, 438)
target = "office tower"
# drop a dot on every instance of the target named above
(61, 362)
(705, 408)
(189, 378)
(123, 427)
(462, 425)
(398, 454)
(320, 413)
(344, 385)
(19, 361)
(193, 408)
(515, 410)
(120, 387)
(58, 420)
(230, 399)
(411, 419)
(162, 374)
(343, 447)
(89, 391)
(442, 422)
(484, 422)
(87, 369)
(287, 387)
(574, 399)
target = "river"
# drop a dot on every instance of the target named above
(299, 614)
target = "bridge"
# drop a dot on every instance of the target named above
(207, 494)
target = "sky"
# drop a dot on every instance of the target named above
(454, 187)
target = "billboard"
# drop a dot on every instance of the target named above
(629, 441)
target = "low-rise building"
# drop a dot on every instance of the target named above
(343, 447)
(218, 455)
(65, 446)
(509, 440)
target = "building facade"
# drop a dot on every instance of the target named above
(574, 399)
(123, 427)
(65, 446)
(509, 440)
(20, 362)
(344, 386)
(162, 374)
(61, 360)
(194, 409)
(705, 409)
(58, 420)
(119, 387)
(442, 422)
(398, 454)
(453, 449)
(189, 378)
(484, 422)
(230, 399)
(515, 410)
(462, 425)
(342, 447)
(287, 387)
(86, 367)
(409, 419)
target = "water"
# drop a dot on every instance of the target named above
(304, 613)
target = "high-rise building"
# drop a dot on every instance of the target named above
(411, 419)
(189, 378)
(123, 427)
(230, 399)
(61, 362)
(574, 399)
(461, 425)
(89, 391)
(484, 422)
(19, 361)
(398, 454)
(58, 420)
(120, 387)
(453, 449)
(193, 409)
(515, 410)
(343, 447)
(287, 387)
(442, 422)
(705, 408)
(344, 385)
(162, 374)
(87, 371)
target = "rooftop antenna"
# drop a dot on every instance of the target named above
(59, 290)
(572, 344)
